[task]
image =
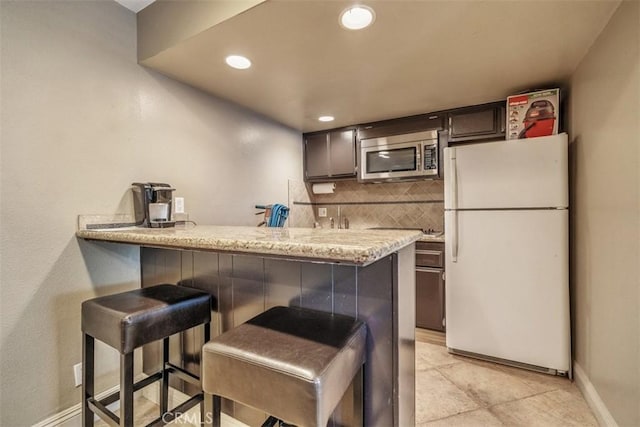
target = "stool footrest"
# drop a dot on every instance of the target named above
(100, 406)
(182, 374)
(274, 422)
(104, 413)
(115, 396)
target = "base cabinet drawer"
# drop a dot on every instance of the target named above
(429, 258)
(430, 298)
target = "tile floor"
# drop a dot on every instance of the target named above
(463, 392)
(460, 391)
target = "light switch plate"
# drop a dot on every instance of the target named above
(322, 212)
(77, 374)
(179, 204)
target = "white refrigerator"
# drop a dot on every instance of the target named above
(507, 252)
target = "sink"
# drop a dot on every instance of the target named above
(428, 233)
(434, 233)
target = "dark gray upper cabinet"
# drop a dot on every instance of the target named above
(434, 121)
(485, 121)
(330, 155)
(316, 155)
(342, 153)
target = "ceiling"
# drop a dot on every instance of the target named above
(417, 57)
(135, 5)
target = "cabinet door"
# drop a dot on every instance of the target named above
(481, 122)
(316, 155)
(342, 153)
(430, 298)
(403, 125)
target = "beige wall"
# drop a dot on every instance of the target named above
(605, 128)
(81, 121)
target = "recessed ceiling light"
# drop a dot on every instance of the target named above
(357, 17)
(237, 61)
(326, 118)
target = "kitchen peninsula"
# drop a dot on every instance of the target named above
(369, 274)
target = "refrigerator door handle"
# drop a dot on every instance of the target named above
(454, 180)
(454, 237)
(454, 205)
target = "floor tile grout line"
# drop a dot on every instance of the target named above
(452, 415)
(486, 405)
(472, 398)
(550, 413)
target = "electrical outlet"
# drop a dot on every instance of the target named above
(322, 212)
(179, 204)
(77, 374)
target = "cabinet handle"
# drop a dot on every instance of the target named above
(429, 270)
(427, 252)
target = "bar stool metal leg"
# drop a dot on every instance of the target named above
(358, 401)
(212, 408)
(164, 385)
(204, 413)
(126, 389)
(87, 378)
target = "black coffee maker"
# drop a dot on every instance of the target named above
(152, 204)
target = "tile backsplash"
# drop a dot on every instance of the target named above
(417, 204)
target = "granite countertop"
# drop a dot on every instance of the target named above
(360, 247)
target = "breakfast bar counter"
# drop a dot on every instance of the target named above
(368, 274)
(358, 247)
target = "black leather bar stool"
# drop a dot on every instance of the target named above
(128, 320)
(294, 364)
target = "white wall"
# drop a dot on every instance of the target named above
(605, 128)
(80, 122)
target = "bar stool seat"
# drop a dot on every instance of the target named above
(294, 364)
(128, 320)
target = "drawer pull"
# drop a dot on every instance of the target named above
(427, 252)
(429, 270)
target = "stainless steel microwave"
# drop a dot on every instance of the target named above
(399, 157)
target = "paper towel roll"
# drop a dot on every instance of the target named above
(324, 188)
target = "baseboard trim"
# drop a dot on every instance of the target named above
(592, 397)
(67, 415)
